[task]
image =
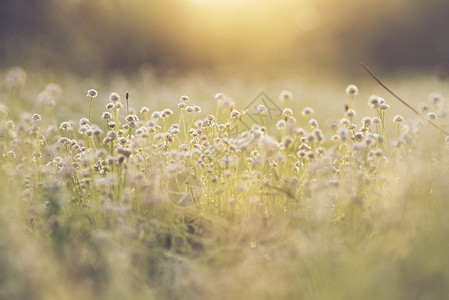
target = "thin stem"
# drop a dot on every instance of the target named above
(402, 101)
(90, 107)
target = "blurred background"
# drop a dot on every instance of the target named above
(100, 36)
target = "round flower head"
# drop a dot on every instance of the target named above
(285, 96)
(435, 98)
(350, 113)
(36, 117)
(281, 124)
(352, 90)
(307, 111)
(106, 115)
(235, 114)
(262, 109)
(287, 112)
(219, 96)
(184, 98)
(398, 119)
(92, 93)
(144, 110)
(114, 97)
(432, 116)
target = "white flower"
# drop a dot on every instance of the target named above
(285, 96)
(398, 119)
(114, 97)
(92, 93)
(352, 90)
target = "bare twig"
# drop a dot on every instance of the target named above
(402, 101)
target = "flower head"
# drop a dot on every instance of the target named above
(352, 90)
(92, 93)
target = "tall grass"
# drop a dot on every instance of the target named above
(183, 204)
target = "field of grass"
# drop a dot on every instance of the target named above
(162, 196)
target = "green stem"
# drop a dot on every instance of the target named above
(90, 107)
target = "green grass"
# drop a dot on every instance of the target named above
(173, 208)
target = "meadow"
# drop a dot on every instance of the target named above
(180, 190)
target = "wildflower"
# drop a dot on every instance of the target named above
(144, 110)
(287, 112)
(432, 116)
(36, 117)
(156, 115)
(189, 109)
(92, 93)
(351, 113)
(182, 105)
(435, 98)
(307, 111)
(114, 97)
(423, 107)
(384, 106)
(285, 96)
(373, 101)
(166, 112)
(398, 119)
(196, 108)
(291, 120)
(106, 115)
(313, 123)
(366, 121)
(65, 126)
(281, 124)
(352, 90)
(344, 122)
(111, 135)
(219, 96)
(235, 114)
(262, 109)
(184, 98)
